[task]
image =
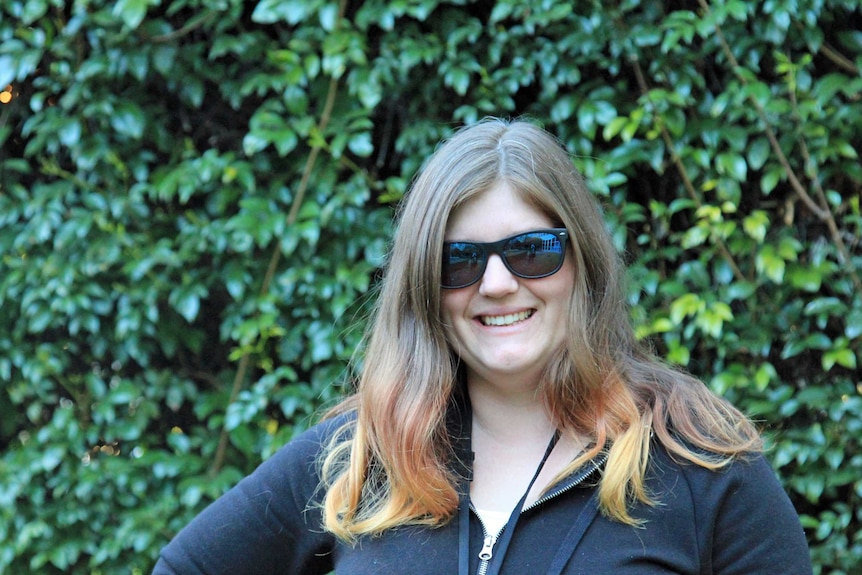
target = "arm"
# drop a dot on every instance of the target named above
(263, 525)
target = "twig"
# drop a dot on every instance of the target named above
(839, 60)
(680, 167)
(189, 27)
(242, 368)
(315, 150)
(822, 211)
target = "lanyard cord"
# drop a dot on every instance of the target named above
(502, 544)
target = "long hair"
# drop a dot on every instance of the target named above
(391, 465)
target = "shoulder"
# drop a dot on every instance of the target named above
(746, 478)
(300, 458)
(319, 436)
(286, 486)
(744, 520)
(268, 523)
(289, 480)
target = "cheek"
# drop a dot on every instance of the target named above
(452, 309)
(452, 305)
(446, 309)
(561, 296)
(567, 277)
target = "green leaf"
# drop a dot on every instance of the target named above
(695, 236)
(614, 127)
(186, 300)
(733, 165)
(807, 278)
(328, 15)
(769, 263)
(843, 357)
(711, 319)
(128, 119)
(678, 354)
(825, 305)
(458, 79)
(740, 290)
(847, 150)
(756, 225)
(8, 69)
(564, 108)
(361, 144)
(290, 11)
(70, 133)
(132, 12)
(33, 10)
(684, 306)
(500, 12)
(738, 9)
(50, 458)
(765, 374)
(815, 341)
(770, 179)
(758, 152)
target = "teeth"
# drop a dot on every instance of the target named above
(508, 319)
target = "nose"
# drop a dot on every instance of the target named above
(497, 280)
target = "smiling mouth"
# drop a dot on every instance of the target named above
(508, 319)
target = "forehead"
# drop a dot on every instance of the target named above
(493, 214)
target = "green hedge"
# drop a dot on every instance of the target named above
(196, 199)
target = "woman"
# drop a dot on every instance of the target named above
(506, 420)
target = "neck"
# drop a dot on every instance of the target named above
(509, 417)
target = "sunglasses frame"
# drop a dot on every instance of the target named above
(490, 248)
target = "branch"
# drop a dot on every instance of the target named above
(680, 167)
(242, 368)
(839, 59)
(834, 231)
(189, 27)
(315, 150)
(822, 211)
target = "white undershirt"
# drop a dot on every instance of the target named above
(494, 521)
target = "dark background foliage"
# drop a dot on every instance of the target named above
(196, 199)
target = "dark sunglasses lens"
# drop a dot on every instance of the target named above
(534, 254)
(463, 264)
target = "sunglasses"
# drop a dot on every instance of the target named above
(528, 255)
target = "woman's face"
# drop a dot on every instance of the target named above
(505, 328)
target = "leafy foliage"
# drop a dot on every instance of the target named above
(196, 197)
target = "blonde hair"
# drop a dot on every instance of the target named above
(392, 464)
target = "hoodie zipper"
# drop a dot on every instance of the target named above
(488, 542)
(577, 480)
(487, 551)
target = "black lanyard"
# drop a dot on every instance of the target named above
(502, 544)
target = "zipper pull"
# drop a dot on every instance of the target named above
(487, 549)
